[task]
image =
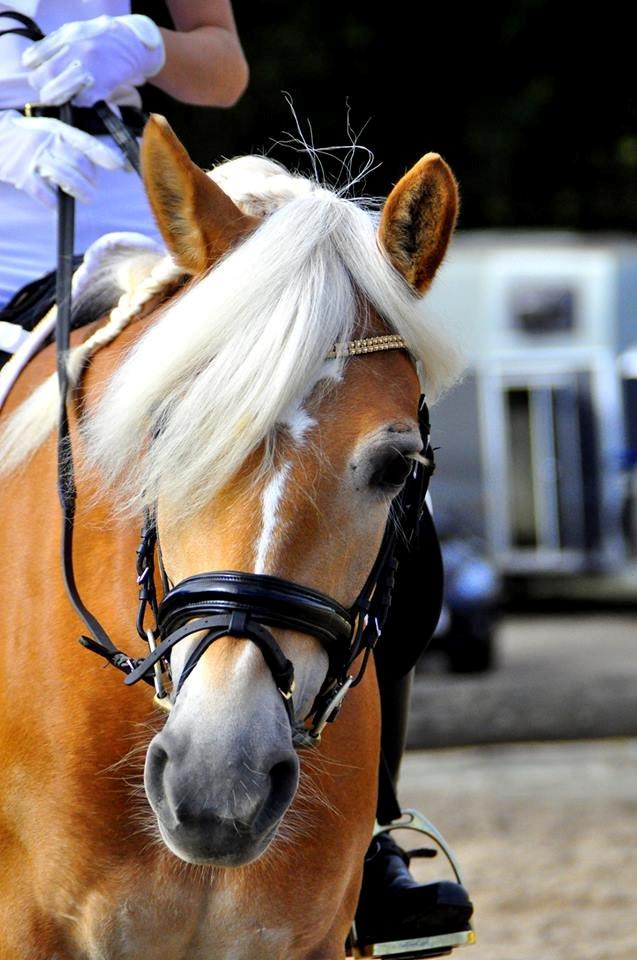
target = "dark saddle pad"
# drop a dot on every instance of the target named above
(27, 307)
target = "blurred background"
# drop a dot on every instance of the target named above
(530, 101)
(525, 707)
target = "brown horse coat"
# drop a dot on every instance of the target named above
(84, 872)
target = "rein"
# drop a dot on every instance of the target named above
(63, 283)
(229, 603)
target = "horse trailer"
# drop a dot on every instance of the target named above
(537, 443)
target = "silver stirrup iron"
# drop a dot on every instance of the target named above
(440, 945)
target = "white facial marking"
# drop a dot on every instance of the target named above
(295, 417)
(298, 422)
(270, 500)
(332, 370)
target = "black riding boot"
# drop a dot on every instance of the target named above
(430, 918)
(392, 905)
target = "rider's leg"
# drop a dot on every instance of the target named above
(393, 906)
(395, 695)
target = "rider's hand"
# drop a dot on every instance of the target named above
(38, 154)
(88, 60)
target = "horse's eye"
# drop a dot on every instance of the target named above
(392, 471)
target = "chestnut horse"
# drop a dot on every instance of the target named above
(207, 834)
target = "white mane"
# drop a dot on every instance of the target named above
(229, 358)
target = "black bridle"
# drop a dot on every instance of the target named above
(248, 605)
(226, 603)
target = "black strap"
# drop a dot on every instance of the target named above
(387, 808)
(28, 29)
(235, 623)
(234, 603)
(120, 134)
(269, 599)
(66, 480)
(145, 666)
(100, 641)
(117, 658)
(87, 118)
(240, 624)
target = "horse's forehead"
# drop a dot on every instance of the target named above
(377, 389)
(313, 445)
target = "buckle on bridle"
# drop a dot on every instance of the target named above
(161, 698)
(331, 709)
(287, 694)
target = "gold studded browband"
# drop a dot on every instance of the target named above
(354, 348)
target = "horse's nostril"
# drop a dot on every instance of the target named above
(190, 814)
(156, 760)
(283, 776)
(158, 755)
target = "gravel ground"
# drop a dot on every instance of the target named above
(547, 838)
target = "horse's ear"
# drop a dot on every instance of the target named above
(418, 219)
(198, 221)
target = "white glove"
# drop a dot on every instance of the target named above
(88, 60)
(38, 154)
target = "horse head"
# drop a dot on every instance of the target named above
(262, 448)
